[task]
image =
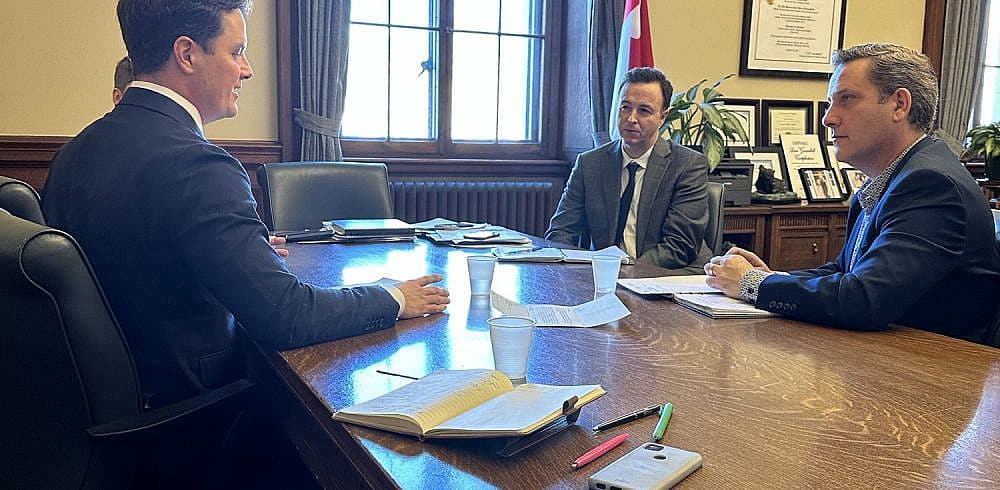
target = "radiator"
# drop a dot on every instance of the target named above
(521, 206)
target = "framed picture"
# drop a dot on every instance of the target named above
(825, 133)
(836, 165)
(749, 112)
(853, 178)
(801, 151)
(820, 184)
(791, 38)
(780, 117)
(763, 157)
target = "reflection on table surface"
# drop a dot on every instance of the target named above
(769, 403)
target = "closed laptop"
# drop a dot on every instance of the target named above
(370, 227)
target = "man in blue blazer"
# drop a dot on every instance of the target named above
(168, 220)
(921, 249)
(657, 212)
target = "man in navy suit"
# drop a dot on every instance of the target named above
(921, 249)
(642, 193)
(168, 220)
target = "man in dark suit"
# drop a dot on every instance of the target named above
(168, 220)
(643, 193)
(921, 250)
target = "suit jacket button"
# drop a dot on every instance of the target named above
(771, 304)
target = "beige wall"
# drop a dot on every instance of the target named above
(59, 55)
(58, 60)
(693, 40)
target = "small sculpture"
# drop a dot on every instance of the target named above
(771, 190)
(767, 184)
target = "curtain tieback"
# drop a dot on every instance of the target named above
(316, 123)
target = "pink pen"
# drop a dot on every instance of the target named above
(599, 451)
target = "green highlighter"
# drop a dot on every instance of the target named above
(661, 425)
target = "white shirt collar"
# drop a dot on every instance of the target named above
(641, 159)
(174, 96)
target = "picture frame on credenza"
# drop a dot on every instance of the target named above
(820, 184)
(801, 151)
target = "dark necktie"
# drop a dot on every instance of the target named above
(625, 204)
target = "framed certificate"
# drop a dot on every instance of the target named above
(792, 38)
(763, 157)
(785, 117)
(801, 151)
(749, 111)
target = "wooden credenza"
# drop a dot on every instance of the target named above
(789, 237)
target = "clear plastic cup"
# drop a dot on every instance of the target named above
(605, 274)
(481, 274)
(510, 337)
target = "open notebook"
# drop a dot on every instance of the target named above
(467, 403)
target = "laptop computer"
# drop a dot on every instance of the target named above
(370, 227)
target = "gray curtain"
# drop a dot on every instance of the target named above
(324, 27)
(605, 31)
(961, 64)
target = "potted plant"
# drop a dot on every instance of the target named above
(706, 122)
(984, 142)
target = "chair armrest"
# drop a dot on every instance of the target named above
(225, 399)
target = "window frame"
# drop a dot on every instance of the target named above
(444, 147)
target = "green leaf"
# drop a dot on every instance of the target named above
(711, 113)
(713, 146)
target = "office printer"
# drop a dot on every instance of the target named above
(735, 175)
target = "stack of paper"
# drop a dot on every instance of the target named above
(472, 237)
(692, 292)
(552, 254)
(669, 285)
(720, 306)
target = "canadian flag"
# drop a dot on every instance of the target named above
(634, 49)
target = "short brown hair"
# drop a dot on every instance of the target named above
(649, 74)
(894, 67)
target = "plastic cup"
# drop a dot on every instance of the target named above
(510, 337)
(605, 274)
(481, 274)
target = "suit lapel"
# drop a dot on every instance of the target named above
(611, 177)
(652, 177)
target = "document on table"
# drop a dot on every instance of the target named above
(669, 285)
(607, 308)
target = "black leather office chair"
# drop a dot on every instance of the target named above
(301, 195)
(20, 199)
(71, 415)
(716, 210)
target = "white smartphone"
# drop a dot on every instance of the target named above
(648, 467)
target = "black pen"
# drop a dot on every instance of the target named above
(636, 415)
(387, 373)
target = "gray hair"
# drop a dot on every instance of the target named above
(894, 67)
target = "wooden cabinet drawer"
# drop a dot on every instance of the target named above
(799, 250)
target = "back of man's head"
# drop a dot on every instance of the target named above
(150, 27)
(650, 74)
(894, 67)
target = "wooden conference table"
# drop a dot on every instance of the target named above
(769, 403)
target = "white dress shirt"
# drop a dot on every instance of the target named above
(628, 237)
